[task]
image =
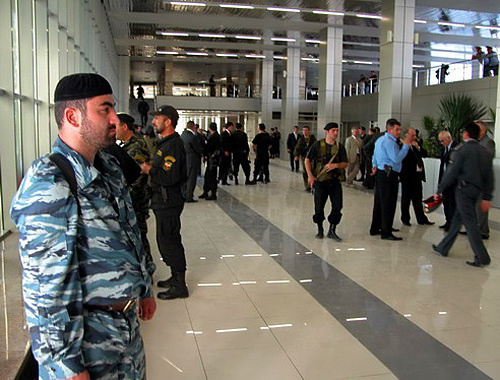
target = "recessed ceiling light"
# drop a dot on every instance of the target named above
(313, 41)
(226, 55)
(236, 6)
(174, 34)
(195, 53)
(283, 39)
(188, 3)
(255, 56)
(420, 21)
(368, 16)
(487, 27)
(451, 24)
(278, 57)
(167, 52)
(294, 10)
(248, 37)
(363, 62)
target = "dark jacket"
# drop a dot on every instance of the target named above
(240, 142)
(445, 159)
(413, 159)
(227, 141)
(291, 141)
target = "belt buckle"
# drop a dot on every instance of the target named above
(128, 305)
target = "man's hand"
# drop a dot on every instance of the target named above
(289, 150)
(146, 167)
(331, 166)
(311, 180)
(81, 376)
(374, 170)
(296, 158)
(485, 205)
(147, 308)
(226, 153)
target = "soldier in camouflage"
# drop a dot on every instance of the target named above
(84, 274)
(140, 191)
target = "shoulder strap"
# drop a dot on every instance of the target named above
(69, 175)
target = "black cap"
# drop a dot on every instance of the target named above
(169, 112)
(126, 119)
(81, 86)
(330, 126)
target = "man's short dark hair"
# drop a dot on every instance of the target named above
(472, 130)
(60, 106)
(212, 126)
(262, 127)
(127, 120)
(306, 126)
(190, 124)
(239, 126)
(229, 124)
(391, 123)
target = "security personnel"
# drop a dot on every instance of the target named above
(84, 274)
(168, 173)
(471, 172)
(140, 191)
(305, 141)
(211, 152)
(387, 162)
(325, 164)
(261, 144)
(227, 151)
(240, 154)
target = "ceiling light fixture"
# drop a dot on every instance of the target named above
(167, 52)
(363, 62)
(208, 35)
(313, 41)
(248, 37)
(451, 24)
(279, 57)
(236, 6)
(294, 10)
(226, 55)
(420, 21)
(329, 13)
(196, 53)
(368, 16)
(487, 27)
(174, 34)
(255, 56)
(310, 59)
(283, 39)
(188, 3)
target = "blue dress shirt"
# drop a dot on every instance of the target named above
(387, 152)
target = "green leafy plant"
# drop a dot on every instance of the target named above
(431, 143)
(458, 110)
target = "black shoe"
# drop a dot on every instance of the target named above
(296, 170)
(427, 223)
(203, 196)
(212, 197)
(476, 264)
(225, 183)
(462, 232)
(191, 201)
(178, 288)
(445, 226)
(321, 232)
(308, 190)
(166, 283)
(391, 237)
(374, 233)
(485, 237)
(248, 182)
(394, 229)
(437, 252)
(406, 224)
(236, 182)
(332, 234)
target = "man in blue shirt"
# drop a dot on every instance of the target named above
(387, 163)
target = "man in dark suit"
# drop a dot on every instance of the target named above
(471, 172)
(486, 142)
(411, 176)
(211, 153)
(291, 141)
(449, 194)
(240, 154)
(194, 150)
(227, 149)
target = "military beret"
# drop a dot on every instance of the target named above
(126, 119)
(330, 126)
(167, 111)
(81, 86)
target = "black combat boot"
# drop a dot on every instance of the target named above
(178, 288)
(236, 182)
(321, 232)
(332, 234)
(212, 197)
(167, 283)
(248, 182)
(204, 195)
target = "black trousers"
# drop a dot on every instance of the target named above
(144, 119)
(369, 181)
(193, 168)
(449, 204)
(467, 197)
(384, 202)
(294, 165)
(411, 193)
(168, 237)
(210, 183)
(322, 191)
(241, 158)
(225, 166)
(261, 167)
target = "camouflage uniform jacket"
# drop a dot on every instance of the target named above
(137, 148)
(70, 261)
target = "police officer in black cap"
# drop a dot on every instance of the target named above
(325, 164)
(168, 172)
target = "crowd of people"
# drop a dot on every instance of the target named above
(82, 210)
(489, 60)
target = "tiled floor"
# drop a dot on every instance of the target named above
(269, 301)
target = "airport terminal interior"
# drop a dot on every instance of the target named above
(268, 300)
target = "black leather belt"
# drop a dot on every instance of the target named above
(118, 306)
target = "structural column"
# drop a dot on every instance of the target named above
(396, 60)
(266, 92)
(330, 75)
(291, 90)
(497, 122)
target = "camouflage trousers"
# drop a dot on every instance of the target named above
(112, 347)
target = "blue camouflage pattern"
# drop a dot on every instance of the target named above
(70, 262)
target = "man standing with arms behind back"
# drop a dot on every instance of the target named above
(387, 162)
(168, 174)
(84, 275)
(291, 141)
(194, 150)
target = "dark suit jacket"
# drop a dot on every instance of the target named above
(192, 145)
(445, 159)
(410, 162)
(240, 142)
(291, 141)
(227, 141)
